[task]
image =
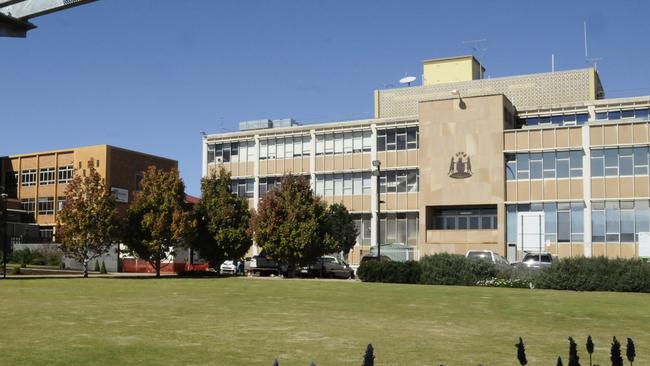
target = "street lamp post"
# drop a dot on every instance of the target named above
(377, 173)
(4, 234)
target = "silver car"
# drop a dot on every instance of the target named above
(537, 260)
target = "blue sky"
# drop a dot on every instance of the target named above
(149, 75)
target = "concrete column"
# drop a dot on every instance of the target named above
(374, 228)
(586, 189)
(204, 158)
(256, 185)
(312, 159)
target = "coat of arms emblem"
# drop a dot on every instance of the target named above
(460, 166)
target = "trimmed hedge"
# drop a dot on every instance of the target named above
(391, 272)
(577, 274)
(595, 274)
(454, 269)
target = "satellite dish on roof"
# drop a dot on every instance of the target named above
(407, 80)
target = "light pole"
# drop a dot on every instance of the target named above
(4, 233)
(377, 173)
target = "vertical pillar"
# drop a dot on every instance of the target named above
(204, 158)
(256, 184)
(586, 189)
(374, 228)
(312, 159)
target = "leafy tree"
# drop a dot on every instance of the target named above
(341, 233)
(222, 220)
(158, 219)
(87, 224)
(369, 357)
(559, 361)
(288, 223)
(590, 348)
(630, 352)
(521, 352)
(574, 359)
(615, 353)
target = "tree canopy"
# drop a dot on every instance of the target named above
(158, 220)
(87, 223)
(341, 233)
(222, 219)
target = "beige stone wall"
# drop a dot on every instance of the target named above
(474, 127)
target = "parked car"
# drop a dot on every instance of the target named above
(228, 267)
(368, 258)
(537, 260)
(261, 265)
(488, 255)
(327, 267)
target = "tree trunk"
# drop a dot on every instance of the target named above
(85, 268)
(158, 264)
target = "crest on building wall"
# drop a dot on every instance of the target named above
(460, 166)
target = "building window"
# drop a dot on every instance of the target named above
(231, 152)
(563, 221)
(65, 173)
(363, 225)
(641, 114)
(343, 142)
(243, 187)
(343, 184)
(29, 205)
(47, 176)
(399, 181)
(138, 182)
(285, 147)
(399, 228)
(619, 221)
(548, 165)
(46, 235)
(46, 205)
(28, 177)
(60, 202)
(393, 139)
(462, 218)
(614, 162)
(570, 119)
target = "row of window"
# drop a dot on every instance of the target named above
(561, 120)
(463, 218)
(394, 228)
(619, 221)
(243, 187)
(45, 176)
(285, 147)
(236, 152)
(45, 205)
(619, 162)
(620, 114)
(343, 184)
(563, 221)
(552, 164)
(399, 181)
(398, 139)
(343, 142)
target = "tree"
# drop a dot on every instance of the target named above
(341, 233)
(87, 224)
(615, 353)
(559, 361)
(574, 359)
(521, 352)
(222, 220)
(158, 219)
(630, 351)
(288, 223)
(369, 357)
(590, 348)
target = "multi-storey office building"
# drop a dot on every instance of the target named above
(39, 180)
(463, 159)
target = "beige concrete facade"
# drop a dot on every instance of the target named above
(555, 129)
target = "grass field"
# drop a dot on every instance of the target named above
(242, 321)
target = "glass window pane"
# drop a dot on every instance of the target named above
(627, 225)
(563, 227)
(563, 168)
(598, 226)
(597, 169)
(642, 216)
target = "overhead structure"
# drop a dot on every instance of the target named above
(15, 14)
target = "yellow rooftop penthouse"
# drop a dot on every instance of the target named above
(515, 164)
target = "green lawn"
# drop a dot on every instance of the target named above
(243, 321)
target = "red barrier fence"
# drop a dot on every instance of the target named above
(142, 266)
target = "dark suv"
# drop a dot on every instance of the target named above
(327, 267)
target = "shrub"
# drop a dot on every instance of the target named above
(454, 269)
(97, 269)
(103, 270)
(391, 272)
(15, 270)
(42, 256)
(595, 274)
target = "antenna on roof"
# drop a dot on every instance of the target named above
(588, 59)
(407, 80)
(477, 46)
